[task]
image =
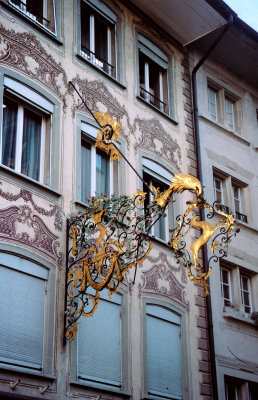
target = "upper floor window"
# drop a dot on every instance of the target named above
(163, 353)
(153, 71)
(224, 107)
(229, 113)
(225, 284)
(25, 314)
(245, 293)
(230, 201)
(98, 36)
(212, 104)
(26, 131)
(40, 11)
(156, 175)
(97, 174)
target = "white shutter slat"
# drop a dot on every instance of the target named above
(22, 309)
(164, 371)
(99, 345)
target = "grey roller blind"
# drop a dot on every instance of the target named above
(164, 370)
(99, 344)
(22, 311)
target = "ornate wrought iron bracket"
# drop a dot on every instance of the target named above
(112, 234)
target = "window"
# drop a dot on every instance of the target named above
(24, 311)
(160, 228)
(245, 293)
(26, 131)
(225, 285)
(229, 114)
(224, 107)
(156, 175)
(231, 391)
(238, 389)
(236, 284)
(99, 343)
(40, 11)
(98, 36)
(98, 174)
(163, 352)
(234, 200)
(236, 192)
(212, 104)
(153, 68)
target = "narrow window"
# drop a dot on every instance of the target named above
(218, 191)
(231, 391)
(160, 224)
(153, 67)
(212, 104)
(236, 191)
(229, 114)
(96, 171)
(98, 45)
(225, 285)
(245, 293)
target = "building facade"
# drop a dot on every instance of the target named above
(227, 104)
(150, 340)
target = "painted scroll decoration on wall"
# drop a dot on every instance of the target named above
(113, 235)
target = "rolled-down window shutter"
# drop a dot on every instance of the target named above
(99, 344)
(164, 370)
(22, 310)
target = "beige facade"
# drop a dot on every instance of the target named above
(227, 103)
(124, 63)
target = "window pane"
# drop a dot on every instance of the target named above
(22, 309)
(35, 8)
(99, 344)
(85, 171)
(224, 276)
(9, 132)
(164, 370)
(229, 113)
(102, 173)
(212, 104)
(85, 30)
(31, 144)
(101, 43)
(231, 392)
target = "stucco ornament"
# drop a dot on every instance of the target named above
(113, 235)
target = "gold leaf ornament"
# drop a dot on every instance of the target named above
(110, 131)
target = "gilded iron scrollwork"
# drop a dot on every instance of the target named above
(112, 235)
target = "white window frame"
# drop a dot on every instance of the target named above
(212, 103)
(111, 19)
(220, 190)
(28, 98)
(152, 52)
(229, 114)
(229, 285)
(238, 198)
(89, 135)
(241, 276)
(22, 9)
(159, 173)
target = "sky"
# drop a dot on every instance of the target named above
(247, 10)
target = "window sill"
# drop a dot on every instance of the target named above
(102, 388)
(157, 110)
(236, 135)
(25, 371)
(95, 68)
(28, 182)
(232, 313)
(33, 23)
